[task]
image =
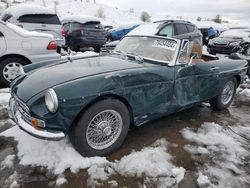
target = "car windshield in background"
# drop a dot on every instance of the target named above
(152, 48)
(235, 34)
(40, 18)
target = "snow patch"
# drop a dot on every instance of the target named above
(203, 180)
(243, 96)
(148, 29)
(4, 96)
(228, 153)
(56, 156)
(27, 8)
(26, 33)
(8, 162)
(153, 161)
(79, 18)
(60, 181)
(113, 183)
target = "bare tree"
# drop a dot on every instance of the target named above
(145, 17)
(198, 19)
(44, 3)
(56, 3)
(217, 19)
(100, 13)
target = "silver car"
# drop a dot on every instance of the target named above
(35, 18)
(20, 47)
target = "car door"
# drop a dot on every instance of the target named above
(182, 31)
(206, 78)
(194, 83)
(2, 44)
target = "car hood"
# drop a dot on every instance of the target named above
(31, 84)
(225, 40)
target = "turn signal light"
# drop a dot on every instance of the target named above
(52, 46)
(37, 124)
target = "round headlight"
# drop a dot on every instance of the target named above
(51, 100)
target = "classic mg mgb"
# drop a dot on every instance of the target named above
(95, 100)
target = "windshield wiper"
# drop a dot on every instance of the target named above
(137, 57)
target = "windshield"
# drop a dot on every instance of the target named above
(235, 34)
(152, 48)
(40, 18)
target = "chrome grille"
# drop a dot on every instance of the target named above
(23, 109)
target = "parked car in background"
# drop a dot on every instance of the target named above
(83, 32)
(228, 41)
(179, 29)
(120, 31)
(146, 77)
(19, 47)
(108, 27)
(243, 53)
(35, 18)
(207, 34)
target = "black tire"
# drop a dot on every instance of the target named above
(217, 104)
(75, 48)
(78, 132)
(58, 49)
(97, 49)
(3, 65)
(212, 53)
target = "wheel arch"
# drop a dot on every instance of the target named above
(103, 97)
(238, 79)
(16, 56)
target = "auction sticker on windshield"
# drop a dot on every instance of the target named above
(166, 44)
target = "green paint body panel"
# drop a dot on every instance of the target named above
(150, 90)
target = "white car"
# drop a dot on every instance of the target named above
(20, 47)
(35, 18)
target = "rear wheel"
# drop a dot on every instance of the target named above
(10, 69)
(101, 129)
(225, 98)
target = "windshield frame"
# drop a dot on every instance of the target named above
(176, 52)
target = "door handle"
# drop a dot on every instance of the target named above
(214, 68)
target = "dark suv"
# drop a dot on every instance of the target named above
(81, 32)
(179, 29)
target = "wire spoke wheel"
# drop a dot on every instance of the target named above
(104, 129)
(227, 93)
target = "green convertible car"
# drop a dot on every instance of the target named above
(95, 100)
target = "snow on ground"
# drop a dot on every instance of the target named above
(227, 152)
(7, 162)
(60, 181)
(4, 96)
(153, 161)
(243, 96)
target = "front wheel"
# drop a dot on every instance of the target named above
(10, 69)
(225, 98)
(101, 129)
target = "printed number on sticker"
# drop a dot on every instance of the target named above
(164, 44)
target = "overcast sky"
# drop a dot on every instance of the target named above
(234, 9)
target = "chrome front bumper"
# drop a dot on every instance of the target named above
(17, 116)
